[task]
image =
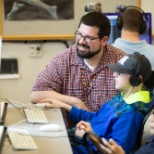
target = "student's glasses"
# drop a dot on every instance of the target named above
(87, 39)
(117, 73)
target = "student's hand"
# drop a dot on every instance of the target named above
(85, 126)
(82, 127)
(51, 103)
(111, 147)
(54, 103)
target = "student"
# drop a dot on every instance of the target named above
(132, 23)
(112, 147)
(78, 76)
(121, 117)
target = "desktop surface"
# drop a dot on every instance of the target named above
(46, 144)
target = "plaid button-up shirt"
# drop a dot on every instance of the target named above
(68, 74)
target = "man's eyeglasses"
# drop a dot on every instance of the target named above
(87, 39)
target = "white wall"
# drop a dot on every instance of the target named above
(19, 89)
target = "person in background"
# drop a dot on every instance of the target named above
(78, 75)
(132, 22)
(121, 117)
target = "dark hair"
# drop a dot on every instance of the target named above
(99, 20)
(132, 19)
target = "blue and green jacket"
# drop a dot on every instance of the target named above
(118, 119)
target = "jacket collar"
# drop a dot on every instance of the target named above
(141, 96)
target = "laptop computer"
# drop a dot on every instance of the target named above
(2, 136)
(3, 109)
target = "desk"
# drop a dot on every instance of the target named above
(46, 145)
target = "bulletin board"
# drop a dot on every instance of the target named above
(55, 30)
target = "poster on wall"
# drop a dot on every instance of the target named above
(22, 10)
(47, 19)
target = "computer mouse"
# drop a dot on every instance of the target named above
(50, 128)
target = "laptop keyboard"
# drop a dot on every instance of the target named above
(35, 115)
(21, 139)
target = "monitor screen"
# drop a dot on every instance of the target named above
(0, 50)
(115, 33)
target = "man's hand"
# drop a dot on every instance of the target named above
(79, 104)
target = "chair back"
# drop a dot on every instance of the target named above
(95, 139)
(138, 142)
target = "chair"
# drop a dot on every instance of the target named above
(95, 139)
(139, 138)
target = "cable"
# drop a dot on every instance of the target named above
(19, 106)
(9, 102)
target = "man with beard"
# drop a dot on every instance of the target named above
(79, 74)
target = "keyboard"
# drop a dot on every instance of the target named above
(20, 105)
(35, 115)
(21, 140)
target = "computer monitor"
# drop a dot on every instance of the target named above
(0, 50)
(2, 136)
(115, 33)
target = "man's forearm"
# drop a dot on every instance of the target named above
(37, 96)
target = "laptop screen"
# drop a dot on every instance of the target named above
(3, 109)
(2, 136)
(0, 50)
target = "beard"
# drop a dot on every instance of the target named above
(88, 54)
